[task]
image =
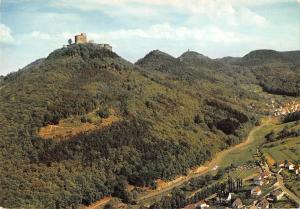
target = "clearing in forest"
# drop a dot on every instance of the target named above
(75, 125)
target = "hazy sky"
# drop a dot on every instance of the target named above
(31, 29)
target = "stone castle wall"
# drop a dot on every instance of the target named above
(81, 39)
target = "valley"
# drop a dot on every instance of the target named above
(92, 129)
(140, 104)
(238, 155)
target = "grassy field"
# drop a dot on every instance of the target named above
(247, 153)
(294, 185)
(244, 174)
(289, 149)
(286, 149)
(285, 203)
(72, 126)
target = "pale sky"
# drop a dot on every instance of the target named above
(31, 29)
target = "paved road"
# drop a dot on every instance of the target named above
(286, 190)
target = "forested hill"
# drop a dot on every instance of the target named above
(277, 72)
(146, 121)
(268, 56)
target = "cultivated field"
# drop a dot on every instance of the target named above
(288, 149)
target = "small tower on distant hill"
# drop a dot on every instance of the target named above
(81, 39)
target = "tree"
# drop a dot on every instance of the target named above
(84, 119)
(108, 206)
(70, 41)
(284, 132)
(104, 113)
(271, 136)
(198, 119)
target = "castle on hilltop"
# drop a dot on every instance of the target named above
(82, 39)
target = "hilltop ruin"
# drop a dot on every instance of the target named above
(82, 39)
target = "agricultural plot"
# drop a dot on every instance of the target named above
(294, 186)
(284, 203)
(247, 153)
(289, 149)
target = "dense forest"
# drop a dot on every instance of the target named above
(277, 72)
(295, 116)
(174, 114)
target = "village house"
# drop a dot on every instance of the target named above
(265, 174)
(202, 204)
(263, 204)
(258, 180)
(256, 191)
(281, 164)
(277, 195)
(237, 204)
(253, 207)
(297, 169)
(199, 205)
(291, 166)
(225, 197)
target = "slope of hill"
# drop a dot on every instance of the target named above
(160, 61)
(262, 56)
(276, 72)
(173, 114)
(191, 57)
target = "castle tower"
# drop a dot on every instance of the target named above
(81, 39)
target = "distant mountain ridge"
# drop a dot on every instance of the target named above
(264, 56)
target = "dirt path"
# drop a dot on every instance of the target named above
(205, 168)
(1, 87)
(99, 203)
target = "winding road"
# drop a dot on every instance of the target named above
(204, 169)
(219, 157)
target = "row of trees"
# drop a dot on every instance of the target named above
(284, 133)
(295, 116)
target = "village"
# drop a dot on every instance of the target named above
(281, 110)
(262, 191)
(266, 175)
(265, 188)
